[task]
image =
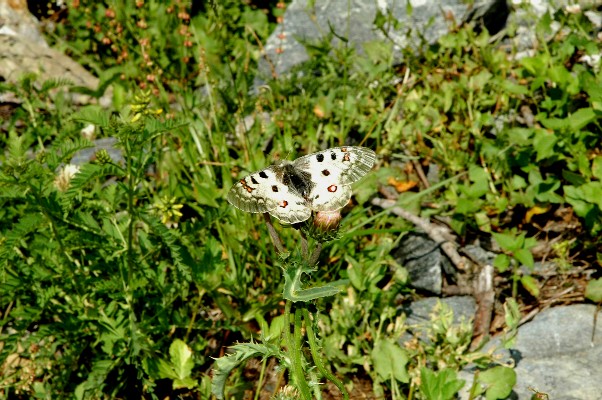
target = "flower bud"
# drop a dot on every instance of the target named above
(327, 221)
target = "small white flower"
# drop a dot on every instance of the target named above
(573, 8)
(89, 132)
(64, 176)
(591, 60)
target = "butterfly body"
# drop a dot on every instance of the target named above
(290, 191)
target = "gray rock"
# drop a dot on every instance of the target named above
(559, 331)
(424, 261)
(19, 56)
(109, 144)
(23, 50)
(463, 308)
(555, 355)
(16, 20)
(419, 315)
(354, 21)
(479, 254)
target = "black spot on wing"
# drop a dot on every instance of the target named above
(263, 175)
(326, 172)
(333, 156)
(274, 188)
(254, 181)
(320, 157)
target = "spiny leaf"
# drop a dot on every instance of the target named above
(242, 352)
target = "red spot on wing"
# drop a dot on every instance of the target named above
(284, 204)
(332, 188)
(246, 186)
(346, 157)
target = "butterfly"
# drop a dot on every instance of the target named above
(290, 191)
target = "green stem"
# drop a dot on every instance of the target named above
(261, 378)
(294, 351)
(317, 356)
(130, 206)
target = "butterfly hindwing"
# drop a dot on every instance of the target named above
(332, 171)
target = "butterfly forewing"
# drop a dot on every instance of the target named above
(346, 164)
(259, 192)
(332, 171)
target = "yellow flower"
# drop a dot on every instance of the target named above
(169, 209)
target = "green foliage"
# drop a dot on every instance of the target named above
(512, 318)
(517, 252)
(127, 274)
(82, 254)
(292, 285)
(593, 291)
(496, 383)
(389, 361)
(439, 386)
(179, 366)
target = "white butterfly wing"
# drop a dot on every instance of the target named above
(294, 210)
(332, 171)
(263, 191)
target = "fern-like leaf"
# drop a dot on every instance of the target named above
(27, 224)
(54, 83)
(179, 255)
(63, 152)
(92, 115)
(87, 173)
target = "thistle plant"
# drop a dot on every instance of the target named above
(299, 320)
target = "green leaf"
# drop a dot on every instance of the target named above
(525, 257)
(293, 290)
(390, 360)
(556, 124)
(581, 118)
(593, 290)
(597, 167)
(530, 284)
(519, 136)
(499, 381)
(514, 88)
(512, 317)
(439, 386)
(501, 262)
(543, 143)
(506, 241)
(536, 65)
(559, 74)
(181, 359)
(483, 221)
